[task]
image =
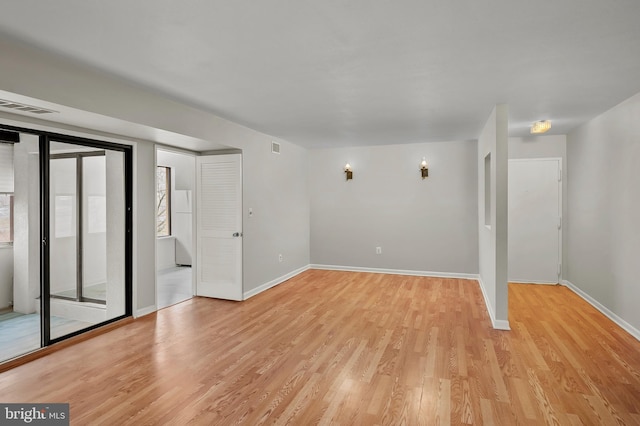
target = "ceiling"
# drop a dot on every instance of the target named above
(362, 72)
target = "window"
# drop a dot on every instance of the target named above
(163, 201)
(6, 218)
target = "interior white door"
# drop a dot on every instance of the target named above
(219, 226)
(535, 212)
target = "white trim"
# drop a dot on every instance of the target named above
(532, 282)
(273, 283)
(497, 324)
(605, 311)
(501, 325)
(536, 159)
(395, 271)
(145, 311)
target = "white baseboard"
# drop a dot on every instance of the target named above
(501, 325)
(605, 311)
(145, 311)
(395, 271)
(497, 324)
(273, 283)
(532, 282)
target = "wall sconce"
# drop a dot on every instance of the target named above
(348, 172)
(424, 170)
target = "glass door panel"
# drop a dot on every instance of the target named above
(63, 237)
(88, 286)
(20, 330)
(94, 229)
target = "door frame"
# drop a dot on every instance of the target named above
(560, 162)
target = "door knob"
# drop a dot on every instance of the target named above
(237, 234)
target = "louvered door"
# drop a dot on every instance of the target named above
(219, 226)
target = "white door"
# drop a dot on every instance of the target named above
(535, 211)
(219, 226)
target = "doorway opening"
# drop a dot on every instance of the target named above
(175, 191)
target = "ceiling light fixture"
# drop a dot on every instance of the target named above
(540, 127)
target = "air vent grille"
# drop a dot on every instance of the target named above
(16, 106)
(275, 147)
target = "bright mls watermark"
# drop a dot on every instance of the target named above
(34, 414)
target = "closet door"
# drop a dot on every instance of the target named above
(219, 226)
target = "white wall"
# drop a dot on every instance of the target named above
(425, 225)
(274, 186)
(6, 251)
(94, 245)
(63, 234)
(493, 241)
(604, 201)
(26, 245)
(6, 276)
(166, 255)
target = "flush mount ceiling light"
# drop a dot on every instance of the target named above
(540, 127)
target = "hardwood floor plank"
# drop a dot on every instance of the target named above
(486, 408)
(329, 347)
(498, 381)
(521, 392)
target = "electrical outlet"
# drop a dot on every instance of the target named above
(280, 258)
(378, 250)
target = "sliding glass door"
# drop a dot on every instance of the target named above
(87, 237)
(65, 237)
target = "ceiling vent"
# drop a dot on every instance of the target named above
(275, 147)
(16, 106)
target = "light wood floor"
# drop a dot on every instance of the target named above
(349, 348)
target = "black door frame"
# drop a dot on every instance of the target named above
(45, 139)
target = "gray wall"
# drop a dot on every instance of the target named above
(421, 225)
(275, 187)
(604, 201)
(144, 192)
(493, 239)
